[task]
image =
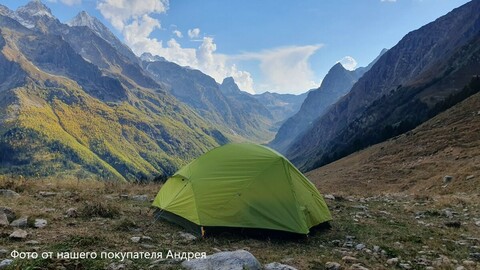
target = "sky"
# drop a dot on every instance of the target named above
(269, 45)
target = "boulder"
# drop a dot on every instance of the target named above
(40, 223)
(333, 266)
(5, 263)
(228, 260)
(19, 234)
(21, 222)
(8, 193)
(11, 216)
(3, 220)
(72, 213)
(278, 266)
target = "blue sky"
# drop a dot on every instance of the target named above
(268, 45)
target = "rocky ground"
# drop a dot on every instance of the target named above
(382, 232)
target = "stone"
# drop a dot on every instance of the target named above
(72, 213)
(376, 249)
(40, 223)
(460, 267)
(135, 239)
(358, 266)
(278, 266)
(140, 198)
(32, 242)
(475, 256)
(470, 177)
(447, 179)
(21, 222)
(4, 253)
(405, 266)
(116, 266)
(468, 263)
(392, 261)
(11, 216)
(359, 246)
(349, 259)
(8, 193)
(333, 266)
(4, 220)
(47, 193)
(19, 234)
(187, 236)
(477, 223)
(146, 239)
(329, 197)
(227, 260)
(5, 263)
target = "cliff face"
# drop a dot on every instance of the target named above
(424, 69)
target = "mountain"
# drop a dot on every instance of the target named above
(417, 161)
(336, 84)
(281, 106)
(84, 19)
(409, 84)
(61, 114)
(204, 95)
(246, 107)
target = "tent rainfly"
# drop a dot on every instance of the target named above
(241, 185)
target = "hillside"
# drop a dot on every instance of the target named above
(404, 88)
(281, 106)
(416, 162)
(62, 115)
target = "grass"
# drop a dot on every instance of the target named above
(387, 221)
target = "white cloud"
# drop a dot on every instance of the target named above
(286, 69)
(67, 2)
(193, 33)
(348, 62)
(122, 12)
(177, 33)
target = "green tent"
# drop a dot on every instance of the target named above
(241, 185)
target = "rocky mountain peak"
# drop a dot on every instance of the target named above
(35, 8)
(148, 57)
(229, 86)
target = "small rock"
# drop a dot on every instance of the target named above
(146, 239)
(4, 220)
(187, 236)
(3, 253)
(47, 193)
(148, 246)
(349, 259)
(5, 263)
(392, 261)
(470, 177)
(233, 260)
(333, 266)
(21, 222)
(32, 242)
(123, 196)
(468, 263)
(278, 266)
(358, 266)
(135, 239)
(8, 193)
(405, 266)
(140, 198)
(40, 223)
(11, 216)
(116, 266)
(460, 268)
(359, 246)
(19, 234)
(72, 213)
(447, 179)
(477, 223)
(329, 197)
(475, 256)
